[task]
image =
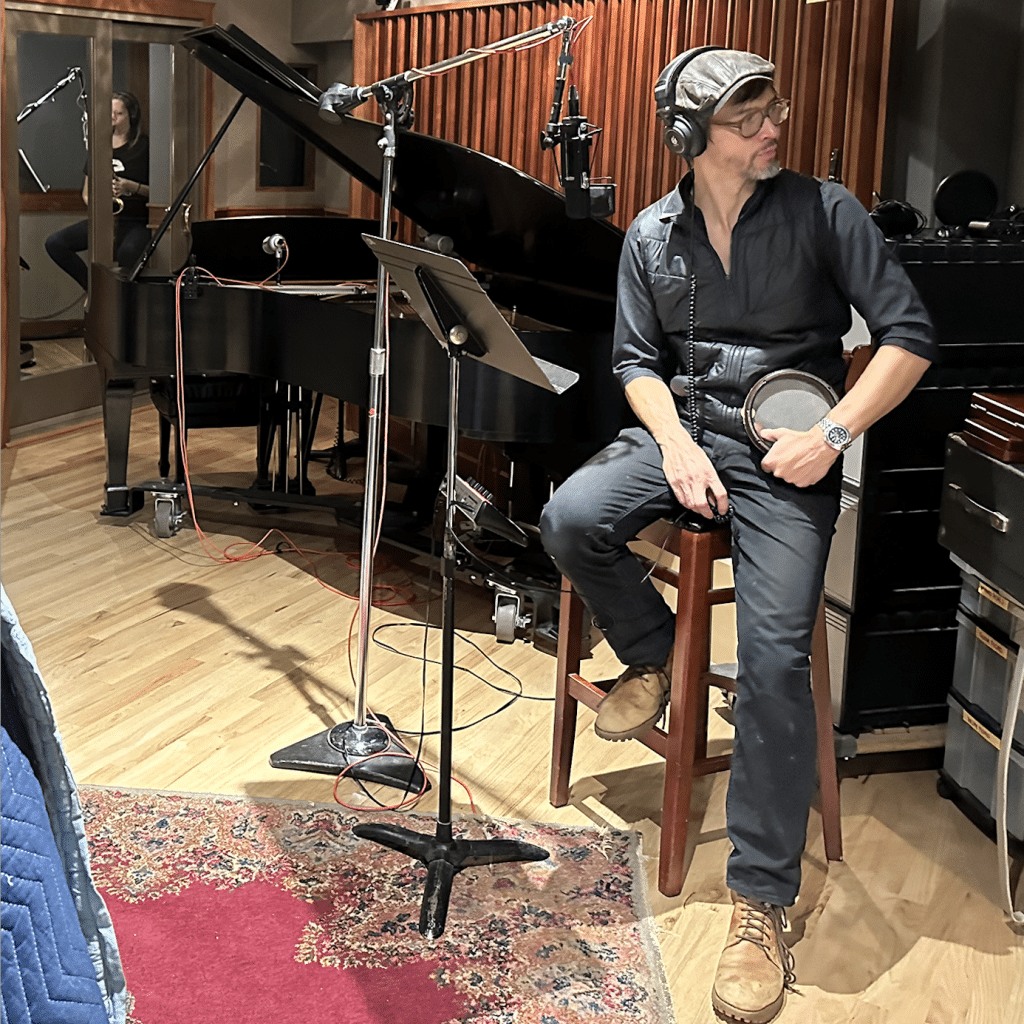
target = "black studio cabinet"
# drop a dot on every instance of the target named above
(891, 590)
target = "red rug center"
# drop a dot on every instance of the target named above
(178, 951)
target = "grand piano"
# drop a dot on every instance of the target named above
(554, 275)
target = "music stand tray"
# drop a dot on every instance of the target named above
(418, 271)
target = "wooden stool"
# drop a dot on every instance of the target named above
(684, 744)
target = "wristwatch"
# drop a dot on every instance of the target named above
(836, 435)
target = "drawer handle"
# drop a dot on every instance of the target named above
(994, 519)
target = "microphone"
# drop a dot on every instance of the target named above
(340, 99)
(438, 242)
(573, 137)
(273, 245)
(576, 160)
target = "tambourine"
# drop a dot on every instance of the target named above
(786, 398)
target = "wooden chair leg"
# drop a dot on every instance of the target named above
(827, 776)
(689, 662)
(570, 629)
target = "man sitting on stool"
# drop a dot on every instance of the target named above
(741, 270)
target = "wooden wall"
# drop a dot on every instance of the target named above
(832, 61)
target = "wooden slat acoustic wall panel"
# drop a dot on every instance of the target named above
(831, 58)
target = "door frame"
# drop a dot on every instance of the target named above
(102, 21)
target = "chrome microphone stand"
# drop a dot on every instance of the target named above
(366, 749)
(369, 750)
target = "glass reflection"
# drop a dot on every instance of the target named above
(129, 193)
(53, 141)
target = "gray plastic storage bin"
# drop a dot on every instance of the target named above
(971, 760)
(985, 602)
(983, 671)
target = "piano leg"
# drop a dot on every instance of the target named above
(164, 462)
(180, 443)
(117, 424)
(266, 430)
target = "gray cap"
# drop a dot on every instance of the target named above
(707, 81)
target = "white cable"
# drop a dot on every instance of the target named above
(1013, 706)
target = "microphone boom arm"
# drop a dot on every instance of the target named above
(72, 74)
(340, 98)
(550, 137)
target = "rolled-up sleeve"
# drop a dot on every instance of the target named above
(872, 278)
(638, 346)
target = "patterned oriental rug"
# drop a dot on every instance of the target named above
(241, 911)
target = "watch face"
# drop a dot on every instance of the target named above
(837, 436)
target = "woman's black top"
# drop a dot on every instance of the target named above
(132, 162)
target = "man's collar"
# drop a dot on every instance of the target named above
(677, 203)
(674, 204)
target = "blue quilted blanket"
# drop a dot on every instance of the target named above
(47, 973)
(59, 954)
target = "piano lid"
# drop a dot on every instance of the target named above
(499, 218)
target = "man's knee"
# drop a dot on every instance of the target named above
(564, 525)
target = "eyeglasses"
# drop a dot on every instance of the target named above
(750, 124)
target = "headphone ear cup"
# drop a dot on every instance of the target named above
(685, 137)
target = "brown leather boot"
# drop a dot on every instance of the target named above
(635, 702)
(756, 968)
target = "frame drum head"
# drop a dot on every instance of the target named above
(786, 398)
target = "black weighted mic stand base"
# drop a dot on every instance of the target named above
(368, 753)
(444, 857)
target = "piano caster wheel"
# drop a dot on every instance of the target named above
(167, 515)
(506, 617)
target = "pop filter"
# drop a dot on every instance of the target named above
(786, 398)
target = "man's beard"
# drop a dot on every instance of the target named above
(768, 171)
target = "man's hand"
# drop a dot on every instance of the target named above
(688, 470)
(800, 457)
(692, 478)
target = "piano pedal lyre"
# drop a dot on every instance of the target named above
(167, 513)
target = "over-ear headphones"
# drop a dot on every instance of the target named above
(684, 135)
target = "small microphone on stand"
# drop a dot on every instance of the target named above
(438, 243)
(273, 245)
(340, 99)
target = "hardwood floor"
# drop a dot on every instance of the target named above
(170, 671)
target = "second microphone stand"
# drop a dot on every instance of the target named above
(361, 748)
(368, 750)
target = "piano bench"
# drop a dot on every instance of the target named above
(232, 400)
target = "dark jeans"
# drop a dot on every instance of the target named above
(63, 247)
(780, 540)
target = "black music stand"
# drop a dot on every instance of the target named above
(465, 322)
